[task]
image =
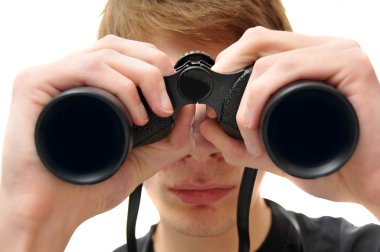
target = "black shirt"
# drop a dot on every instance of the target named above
(294, 232)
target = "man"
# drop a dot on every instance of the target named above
(193, 175)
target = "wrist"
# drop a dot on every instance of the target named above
(20, 230)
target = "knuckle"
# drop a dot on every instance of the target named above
(159, 58)
(254, 38)
(25, 77)
(349, 43)
(252, 88)
(128, 90)
(359, 58)
(258, 92)
(152, 73)
(150, 45)
(106, 52)
(109, 39)
(287, 64)
(261, 65)
(94, 62)
(256, 31)
(129, 87)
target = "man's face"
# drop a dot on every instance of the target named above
(197, 195)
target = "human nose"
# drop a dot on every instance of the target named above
(202, 150)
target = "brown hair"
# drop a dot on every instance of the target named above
(219, 21)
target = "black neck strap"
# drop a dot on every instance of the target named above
(243, 209)
(133, 210)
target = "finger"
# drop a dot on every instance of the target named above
(94, 72)
(120, 86)
(262, 64)
(258, 42)
(144, 75)
(108, 70)
(234, 151)
(210, 112)
(332, 68)
(144, 161)
(183, 125)
(136, 49)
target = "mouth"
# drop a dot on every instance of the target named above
(193, 195)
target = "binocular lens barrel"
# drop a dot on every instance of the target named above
(84, 135)
(310, 129)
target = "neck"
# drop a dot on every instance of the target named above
(167, 239)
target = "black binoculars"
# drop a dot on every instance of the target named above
(308, 128)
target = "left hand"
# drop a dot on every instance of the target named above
(281, 58)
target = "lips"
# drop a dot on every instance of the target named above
(194, 195)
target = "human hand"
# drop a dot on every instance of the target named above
(39, 203)
(281, 58)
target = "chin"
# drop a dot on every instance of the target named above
(201, 221)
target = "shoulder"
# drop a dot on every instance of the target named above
(329, 233)
(338, 233)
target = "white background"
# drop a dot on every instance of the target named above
(40, 31)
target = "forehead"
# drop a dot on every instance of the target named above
(175, 46)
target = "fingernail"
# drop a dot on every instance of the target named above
(218, 67)
(165, 103)
(251, 147)
(248, 115)
(253, 143)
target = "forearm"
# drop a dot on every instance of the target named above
(20, 233)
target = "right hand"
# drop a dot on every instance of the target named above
(31, 197)
(281, 58)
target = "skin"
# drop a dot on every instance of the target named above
(210, 227)
(35, 206)
(51, 202)
(290, 57)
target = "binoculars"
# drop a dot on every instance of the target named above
(308, 128)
